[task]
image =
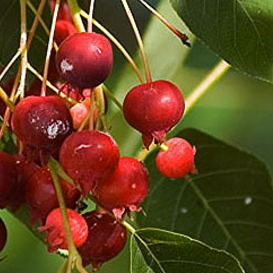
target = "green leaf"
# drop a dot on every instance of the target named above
(155, 250)
(228, 205)
(240, 31)
(10, 33)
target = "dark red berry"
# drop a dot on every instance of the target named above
(42, 123)
(3, 234)
(8, 179)
(63, 29)
(84, 60)
(153, 109)
(177, 160)
(105, 240)
(41, 195)
(125, 189)
(24, 170)
(56, 236)
(64, 11)
(89, 157)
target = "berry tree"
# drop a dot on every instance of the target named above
(96, 159)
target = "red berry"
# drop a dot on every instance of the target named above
(56, 236)
(64, 11)
(178, 160)
(84, 60)
(125, 189)
(105, 240)
(63, 29)
(89, 157)
(42, 123)
(8, 179)
(24, 170)
(41, 195)
(3, 234)
(153, 109)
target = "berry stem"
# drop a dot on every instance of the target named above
(128, 226)
(31, 35)
(61, 201)
(50, 85)
(100, 99)
(6, 99)
(8, 110)
(49, 46)
(90, 17)
(215, 75)
(92, 110)
(112, 97)
(23, 47)
(10, 63)
(118, 45)
(164, 147)
(39, 19)
(178, 33)
(75, 12)
(61, 172)
(74, 256)
(139, 40)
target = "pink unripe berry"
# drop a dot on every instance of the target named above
(56, 236)
(177, 158)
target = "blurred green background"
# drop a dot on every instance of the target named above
(238, 110)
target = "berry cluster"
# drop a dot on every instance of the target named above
(72, 133)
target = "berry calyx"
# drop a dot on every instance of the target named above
(84, 60)
(42, 123)
(3, 235)
(56, 236)
(153, 109)
(106, 239)
(89, 157)
(178, 158)
(125, 189)
(41, 194)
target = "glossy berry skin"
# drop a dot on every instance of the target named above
(63, 29)
(153, 109)
(24, 169)
(125, 189)
(56, 236)
(3, 235)
(41, 195)
(89, 157)
(178, 160)
(8, 179)
(42, 122)
(84, 60)
(105, 240)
